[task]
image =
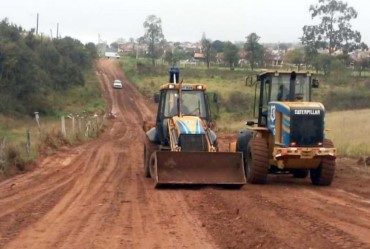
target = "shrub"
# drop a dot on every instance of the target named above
(238, 102)
(346, 99)
(367, 84)
(12, 155)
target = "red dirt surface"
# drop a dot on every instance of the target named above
(96, 196)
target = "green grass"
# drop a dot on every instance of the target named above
(350, 132)
(148, 79)
(222, 81)
(80, 100)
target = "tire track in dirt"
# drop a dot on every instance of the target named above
(67, 203)
(257, 217)
(313, 224)
(27, 201)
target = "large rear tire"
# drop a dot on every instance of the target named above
(153, 165)
(257, 161)
(324, 174)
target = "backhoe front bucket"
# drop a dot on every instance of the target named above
(198, 168)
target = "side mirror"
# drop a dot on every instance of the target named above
(315, 83)
(250, 123)
(156, 98)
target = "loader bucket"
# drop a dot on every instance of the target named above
(224, 168)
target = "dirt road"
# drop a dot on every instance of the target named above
(95, 196)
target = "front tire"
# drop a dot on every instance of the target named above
(324, 174)
(149, 148)
(257, 161)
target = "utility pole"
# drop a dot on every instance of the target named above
(37, 24)
(57, 30)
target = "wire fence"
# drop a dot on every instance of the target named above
(50, 136)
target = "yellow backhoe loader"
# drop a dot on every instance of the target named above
(181, 147)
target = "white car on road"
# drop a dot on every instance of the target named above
(117, 84)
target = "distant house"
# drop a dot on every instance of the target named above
(219, 57)
(242, 53)
(199, 57)
(126, 48)
(278, 56)
(358, 55)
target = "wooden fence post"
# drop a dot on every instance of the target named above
(73, 126)
(64, 133)
(79, 124)
(28, 145)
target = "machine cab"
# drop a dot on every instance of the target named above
(282, 87)
(186, 103)
(181, 100)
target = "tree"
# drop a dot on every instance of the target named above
(9, 32)
(324, 62)
(284, 46)
(310, 53)
(335, 31)
(345, 59)
(91, 50)
(31, 68)
(161, 48)
(231, 54)
(174, 57)
(362, 64)
(218, 46)
(114, 45)
(206, 49)
(295, 56)
(153, 34)
(255, 51)
(74, 50)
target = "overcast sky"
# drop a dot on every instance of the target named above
(187, 20)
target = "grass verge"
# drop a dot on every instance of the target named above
(23, 139)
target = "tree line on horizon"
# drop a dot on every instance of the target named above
(334, 33)
(33, 68)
